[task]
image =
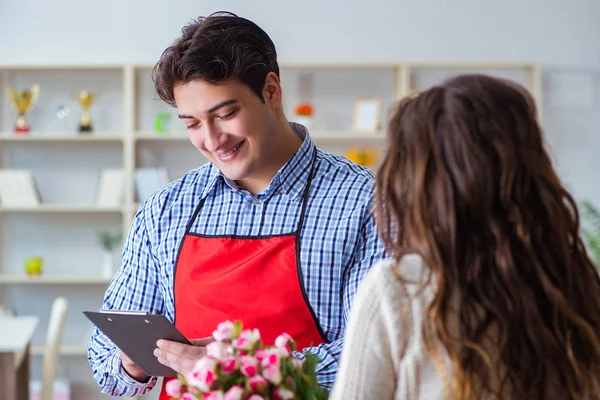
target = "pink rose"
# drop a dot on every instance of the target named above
(247, 339)
(224, 331)
(285, 342)
(216, 350)
(235, 393)
(257, 384)
(272, 358)
(204, 374)
(173, 388)
(229, 365)
(283, 394)
(256, 397)
(261, 354)
(187, 396)
(249, 365)
(272, 373)
(216, 395)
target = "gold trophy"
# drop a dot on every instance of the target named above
(22, 101)
(85, 99)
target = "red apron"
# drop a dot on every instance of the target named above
(254, 279)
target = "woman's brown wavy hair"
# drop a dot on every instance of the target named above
(467, 184)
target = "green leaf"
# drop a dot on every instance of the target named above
(591, 231)
(109, 241)
(591, 215)
(238, 329)
(593, 246)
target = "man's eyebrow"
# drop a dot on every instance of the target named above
(212, 109)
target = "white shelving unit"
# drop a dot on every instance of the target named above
(12, 137)
(65, 164)
(64, 350)
(62, 208)
(53, 280)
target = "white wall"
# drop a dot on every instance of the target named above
(554, 32)
(563, 36)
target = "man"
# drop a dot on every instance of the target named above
(272, 231)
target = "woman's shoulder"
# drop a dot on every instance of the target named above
(410, 268)
(394, 279)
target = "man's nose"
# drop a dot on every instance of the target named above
(212, 140)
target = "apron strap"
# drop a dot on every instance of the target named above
(194, 216)
(302, 212)
(306, 192)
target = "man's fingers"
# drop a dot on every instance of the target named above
(178, 356)
(179, 349)
(170, 360)
(161, 355)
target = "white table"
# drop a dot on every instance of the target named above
(15, 342)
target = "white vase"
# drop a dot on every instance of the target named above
(108, 265)
(305, 120)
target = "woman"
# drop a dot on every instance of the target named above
(489, 293)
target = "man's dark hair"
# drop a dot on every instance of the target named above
(214, 49)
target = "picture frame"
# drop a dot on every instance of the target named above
(110, 189)
(367, 115)
(18, 188)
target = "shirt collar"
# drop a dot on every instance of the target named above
(292, 177)
(213, 177)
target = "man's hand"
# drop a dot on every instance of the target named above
(132, 369)
(181, 357)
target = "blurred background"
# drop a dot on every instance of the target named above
(94, 141)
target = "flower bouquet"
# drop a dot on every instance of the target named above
(239, 366)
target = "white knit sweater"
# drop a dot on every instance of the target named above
(373, 364)
(384, 356)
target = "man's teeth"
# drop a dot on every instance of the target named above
(233, 151)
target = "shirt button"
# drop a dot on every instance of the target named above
(255, 201)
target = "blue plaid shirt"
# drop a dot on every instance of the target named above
(339, 244)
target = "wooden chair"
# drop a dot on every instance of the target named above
(51, 355)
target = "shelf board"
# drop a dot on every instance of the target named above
(411, 64)
(470, 65)
(61, 208)
(63, 350)
(57, 137)
(316, 135)
(42, 67)
(53, 280)
(347, 135)
(175, 136)
(313, 65)
(337, 65)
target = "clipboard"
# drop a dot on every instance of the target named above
(135, 333)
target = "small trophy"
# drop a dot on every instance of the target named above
(22, 101)
(85, 99)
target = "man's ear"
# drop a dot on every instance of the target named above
(272, 91)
